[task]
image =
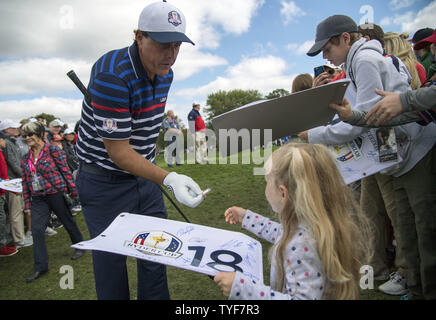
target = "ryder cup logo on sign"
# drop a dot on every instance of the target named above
(157, 243)
(109, 125)
(174, 18)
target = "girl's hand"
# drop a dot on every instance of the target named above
(225, 280)
(235, 215)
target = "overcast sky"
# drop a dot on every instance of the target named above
(240, 44)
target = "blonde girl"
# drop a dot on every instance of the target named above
(319, 243)
(397, 45)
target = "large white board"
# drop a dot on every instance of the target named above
(287, 115)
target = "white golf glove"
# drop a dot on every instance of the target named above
(184, 189)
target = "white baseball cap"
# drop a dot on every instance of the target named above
(69, 131)
(164, 23)
(7, 123)
(56, 123)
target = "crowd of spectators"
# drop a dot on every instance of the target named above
(401, 254)
(16, 219)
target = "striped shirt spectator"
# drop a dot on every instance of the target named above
(125, 105)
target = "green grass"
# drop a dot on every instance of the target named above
(230, 184)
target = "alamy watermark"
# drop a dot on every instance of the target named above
(66, 19)
(255, 147)
(366, 277)
(367, 20)
(67, 280)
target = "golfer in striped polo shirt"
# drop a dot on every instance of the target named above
(117, 145)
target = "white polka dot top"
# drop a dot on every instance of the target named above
(304, 277)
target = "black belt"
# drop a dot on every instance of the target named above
(95, 169)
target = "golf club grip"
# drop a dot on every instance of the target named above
(72, 75)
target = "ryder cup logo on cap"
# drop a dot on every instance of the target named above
(163, 23)
(174, 18)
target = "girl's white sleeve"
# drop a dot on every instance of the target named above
(304, 279)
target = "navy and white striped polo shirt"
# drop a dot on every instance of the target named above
(126, 104)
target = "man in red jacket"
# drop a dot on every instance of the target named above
(197, 127)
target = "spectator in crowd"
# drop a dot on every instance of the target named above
(76, 131)
(302, 82)
(330, 73)
(423, 53)
(397, 45)
(117, 143)
(197, 127)
(320, 243)
(173, 139)
(378, 199)
(5, 249)
(56, 140)
(367, 69)
(70, 138)
(15, 201)
(54, 127)
(24, 149)
(22, 145)
(69, 147)
(46, 177)
(42, 121)
(372, 31)
(429, 42)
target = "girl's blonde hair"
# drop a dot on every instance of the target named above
(397, 45)
(319, 198)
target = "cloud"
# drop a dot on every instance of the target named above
(40, 76)
(86, 29)
(290, 11)
(412, 21)
(386, 21)
(191, 61)
(300, 49)
(67, 109)
(80, 30)
(233, 16)
(400, 4)
(31, 56)
(263, 73)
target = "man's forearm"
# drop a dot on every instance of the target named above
(421, 99)
(358, 119)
